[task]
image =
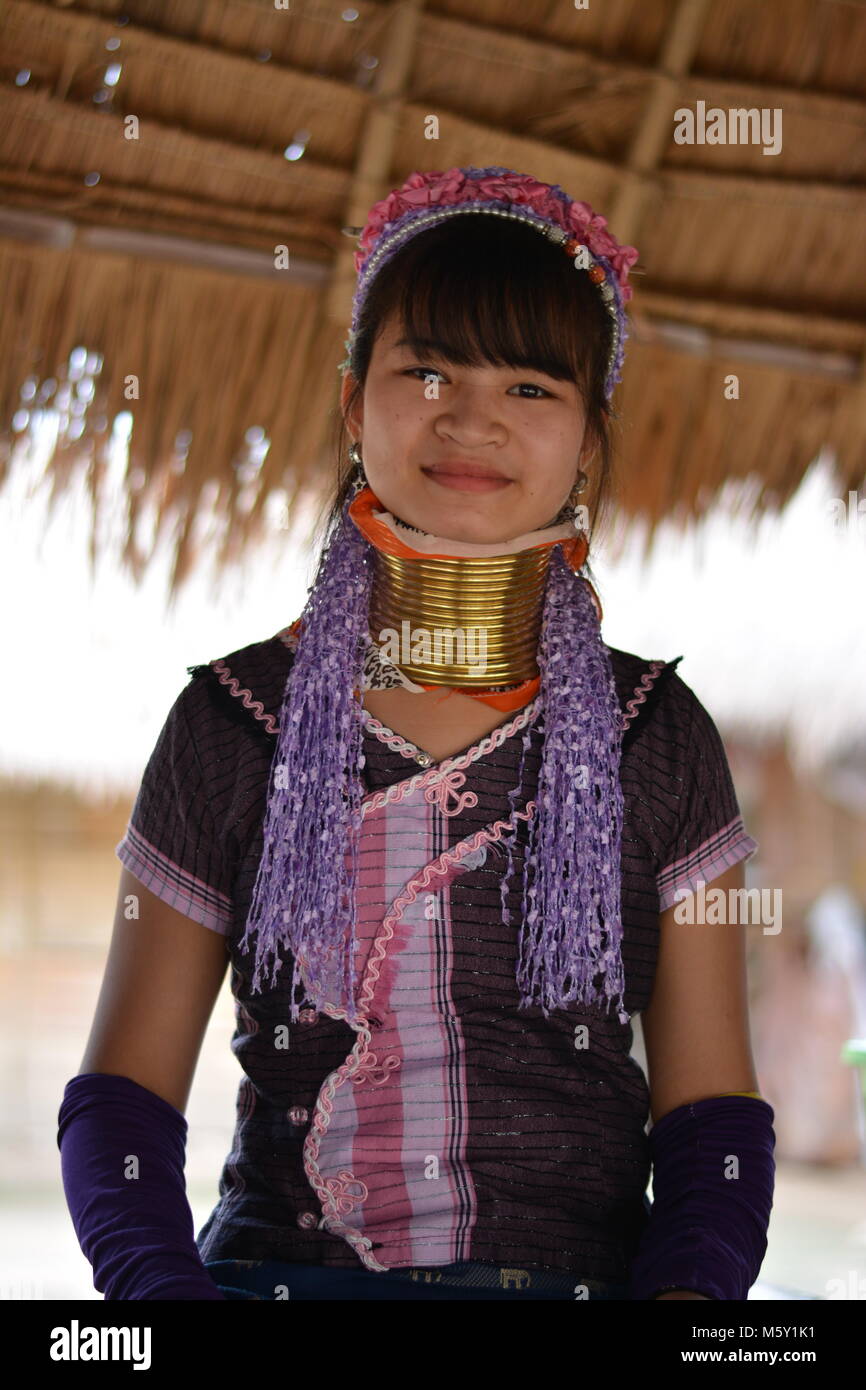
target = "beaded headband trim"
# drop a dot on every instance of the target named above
(427, 199)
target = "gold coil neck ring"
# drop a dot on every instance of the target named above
(461, 622)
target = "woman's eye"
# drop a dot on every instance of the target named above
(532, 387)
(428, 371)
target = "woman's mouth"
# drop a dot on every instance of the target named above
(468, 481)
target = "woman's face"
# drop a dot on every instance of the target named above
(521, 430)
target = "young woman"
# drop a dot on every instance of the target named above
(441, 831)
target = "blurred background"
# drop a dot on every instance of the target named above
(176, 290)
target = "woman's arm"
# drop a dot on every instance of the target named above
(161, 981)
(696, 1026)
(121, 1131)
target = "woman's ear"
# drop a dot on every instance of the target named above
(589, 448)
(354, 415)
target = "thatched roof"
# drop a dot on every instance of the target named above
(156, 253)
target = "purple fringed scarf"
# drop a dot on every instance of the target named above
(304, 896)
(572, 917)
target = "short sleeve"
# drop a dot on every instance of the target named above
(171, 843)
(707, 834)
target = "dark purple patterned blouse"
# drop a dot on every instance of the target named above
(455, 1127)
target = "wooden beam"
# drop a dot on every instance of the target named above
(758, 323)
(63, 234)
(376, 150)
(653, 132)
(704, 342)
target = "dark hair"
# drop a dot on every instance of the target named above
(492, 290)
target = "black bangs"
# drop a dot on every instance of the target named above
(482, 289)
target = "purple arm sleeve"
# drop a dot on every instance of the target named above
(122, 1152)
(713, 1178)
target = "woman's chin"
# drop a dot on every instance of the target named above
(474, 518)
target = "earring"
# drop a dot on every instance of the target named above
(579, 484)
(359, 482)
(570, 511)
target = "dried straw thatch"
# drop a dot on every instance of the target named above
(157, 252)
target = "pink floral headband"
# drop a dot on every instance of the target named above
(426, 199)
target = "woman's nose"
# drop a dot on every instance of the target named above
(471, 414)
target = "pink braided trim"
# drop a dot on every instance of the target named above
(362, 1064)
(438, 781)
(386, 735)
(487, 744)
(246, 696)
(448, 785)
(333, 1194)
(647, 682)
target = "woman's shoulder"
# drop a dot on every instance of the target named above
(642, 685)
(661, 709)
(682, 798)
(246, 685)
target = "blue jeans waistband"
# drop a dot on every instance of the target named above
(468, 1279)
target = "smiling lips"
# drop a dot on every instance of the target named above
(465, 476)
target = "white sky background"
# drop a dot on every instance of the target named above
(768, 617)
